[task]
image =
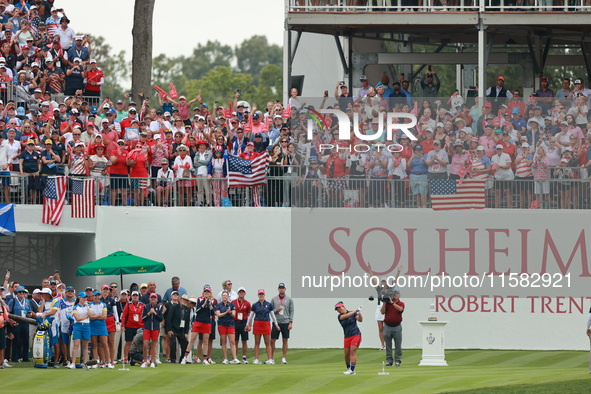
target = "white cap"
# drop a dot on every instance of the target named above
(77, 59)
(36, 291)
(167, 113)
(46, 291)
(157, 136)
(34, 64)
(480, 147)
(499, 146)
(241, 289)
(92, 61)
(564, 161)
(525, 145)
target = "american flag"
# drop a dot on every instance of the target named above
(243, 172)
(450, 194)
(53, 199)
(83, 199)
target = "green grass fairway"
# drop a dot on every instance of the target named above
(481, 371)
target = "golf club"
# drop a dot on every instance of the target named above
(370, 298)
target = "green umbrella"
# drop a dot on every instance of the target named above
(120, 263)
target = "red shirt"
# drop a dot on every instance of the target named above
(243, 308)
(249, 155)
(427, 145)
(133, 314)
(95, 76)
(120, 168)
(393, 317)
(139, 170)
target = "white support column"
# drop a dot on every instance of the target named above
(286, 63)
(481, 63)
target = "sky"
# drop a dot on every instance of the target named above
(179, 25)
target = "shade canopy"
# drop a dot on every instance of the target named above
(120, 263)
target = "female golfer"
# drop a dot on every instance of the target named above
(82, 314)
(348, 320)
(262, 312)
(98, 331)
(226, 311)
(202, 324)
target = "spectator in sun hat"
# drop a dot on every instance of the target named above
(20, 306)
(65, 33)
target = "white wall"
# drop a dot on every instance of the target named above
(252, 247)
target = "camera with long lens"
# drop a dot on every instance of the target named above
(387, 294)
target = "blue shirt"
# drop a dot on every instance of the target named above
(19, 308)
(152, 322)
(519, 124)
(227, 320)
(110, 304)
(204, 310)
(349, 325)
(418, 166)
(261, 311)
(168, 293)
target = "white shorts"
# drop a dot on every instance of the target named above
(379, 316)
(543, 185)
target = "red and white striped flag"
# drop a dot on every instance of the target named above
(54, 197)
(83, 198)
(242, 173)
(451, 194)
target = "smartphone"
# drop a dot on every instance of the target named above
(342, 83)
(430, 68)
(326, 92)
(8, 271)
(216, 103)
(239, 91)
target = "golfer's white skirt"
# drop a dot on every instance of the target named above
(379, 316)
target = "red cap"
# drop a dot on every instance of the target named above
(261, 291)
(25, 47)
(488, 105)
(250, 143)
(153, 295)
(105, 287)
(99, 146)
(338, 305)
(199, 142)
(90, 124)
(501, 78)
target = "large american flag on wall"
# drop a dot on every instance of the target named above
(54, 197)
(243, 172)
(83, 198)
(450, 194)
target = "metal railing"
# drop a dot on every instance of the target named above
(295, 190)
(436, 6)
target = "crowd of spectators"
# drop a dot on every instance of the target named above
(175, 152)
(141, 325)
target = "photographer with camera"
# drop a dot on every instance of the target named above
(392, 308)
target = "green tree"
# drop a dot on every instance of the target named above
(270, 86)
(114, 67)
(220, 85)
(255, 53)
